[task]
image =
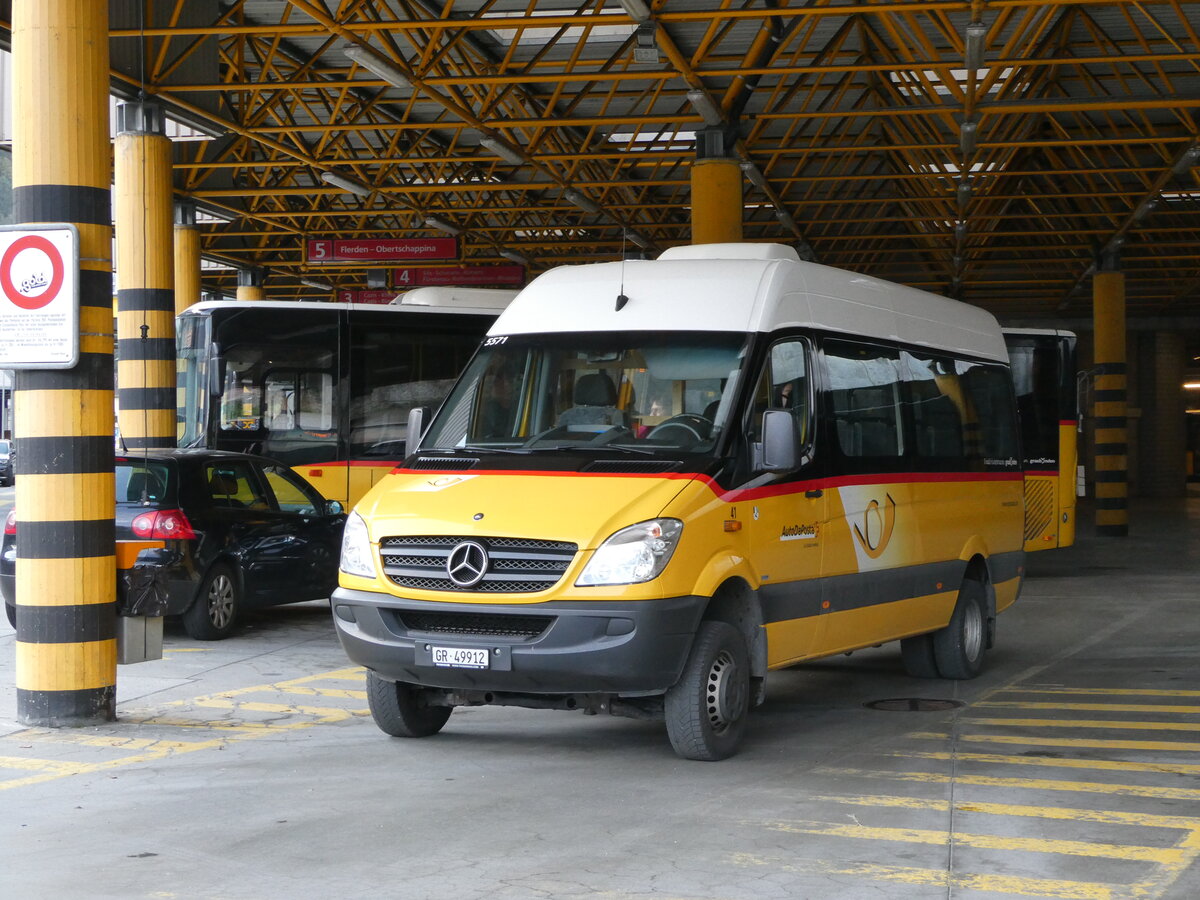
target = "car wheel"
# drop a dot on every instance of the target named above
(11, 612)
(401, 710)
(959, 647)
(917, 653)
(706, 709)
(214, 612)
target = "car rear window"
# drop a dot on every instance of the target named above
(141, 480)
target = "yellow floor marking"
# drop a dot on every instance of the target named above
(1096, 707)
(1060, 813)
(1116, 692)
(37, 765)
(981, 841)
(1089, 723)
(1113, 765)
(325, 713)
(999, 884)
(88, 740)
(1028, 784)
(344, 693)
(1169, 746)
(188, 650)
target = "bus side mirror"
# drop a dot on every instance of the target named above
(416, 427)
(780, 452)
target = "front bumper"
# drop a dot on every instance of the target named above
(631, 648)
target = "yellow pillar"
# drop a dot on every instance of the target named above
(716, 201)
(145, 278)
(66, 653)
(250, 284)
(187, 257)
(1111, 440)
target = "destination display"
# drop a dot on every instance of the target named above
(458, 276)
(381, 250)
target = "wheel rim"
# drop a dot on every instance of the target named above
(972, 631)
(220, 601)
(725, 693)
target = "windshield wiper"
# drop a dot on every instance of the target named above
(517, 450)
(600, 449)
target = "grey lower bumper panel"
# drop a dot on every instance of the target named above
(617, 648)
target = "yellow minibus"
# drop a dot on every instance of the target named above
(657, 480)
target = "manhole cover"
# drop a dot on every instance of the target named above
(913, 704)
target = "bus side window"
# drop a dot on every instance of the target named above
(864, 383)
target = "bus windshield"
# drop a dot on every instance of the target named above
(650, 392)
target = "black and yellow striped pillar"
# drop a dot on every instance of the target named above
(1111, 426)
(187, 257)
(250, 283)
(145, 278)
(66, 650)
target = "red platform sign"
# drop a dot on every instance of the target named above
(383, 250)
(369, 296)
(458, 276)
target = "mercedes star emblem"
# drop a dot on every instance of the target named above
(467, 564)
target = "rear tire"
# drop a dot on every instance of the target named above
(917, 653)
(214, 613)
(706, 710)
(960, 647)
(400, 709)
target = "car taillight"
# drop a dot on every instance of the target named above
(163, 525)
(10, 522)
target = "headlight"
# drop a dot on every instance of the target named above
(356, 548)
(634, 554)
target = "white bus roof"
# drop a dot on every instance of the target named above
(745, 288)
(477, 298)
(390, 308)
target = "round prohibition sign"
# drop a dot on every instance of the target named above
(31, 242)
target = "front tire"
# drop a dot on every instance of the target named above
(706, 710)
(399, 709)
(959, 648)
(213, 614)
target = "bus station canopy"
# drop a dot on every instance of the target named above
(999, 151)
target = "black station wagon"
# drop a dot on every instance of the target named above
(240, 532)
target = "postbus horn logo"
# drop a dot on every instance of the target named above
(877, 527)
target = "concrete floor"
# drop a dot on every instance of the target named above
(250, 769)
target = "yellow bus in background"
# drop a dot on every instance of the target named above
(1043, 370)
(658, 480)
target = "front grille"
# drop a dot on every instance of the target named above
(515, 565)
(480, 624)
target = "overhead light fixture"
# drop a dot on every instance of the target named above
(346, 184)
(967, 134)
(645, 43)
(637, 10)
(756, 177)
(637, 238)
(960, 230)
(442, 225)
(786, 220)
(207, 213)
(704, 105)
(376, 64)
(503, 150)
(976, 35)
(1192, 385)
(1188, 161)
(314, 283)
(1144, 208)
(581, 201)
(514, 256)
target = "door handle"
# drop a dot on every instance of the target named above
(814, 493)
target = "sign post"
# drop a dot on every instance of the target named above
(39, 296)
